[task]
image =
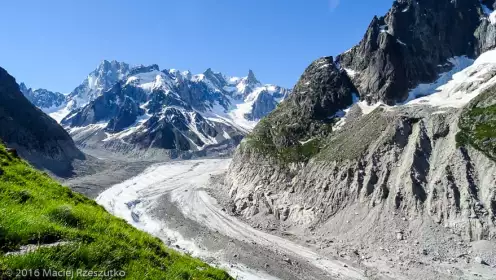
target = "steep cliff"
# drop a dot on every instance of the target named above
(413, 163)
(36, 137)
(410, 45)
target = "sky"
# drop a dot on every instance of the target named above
(54, 44)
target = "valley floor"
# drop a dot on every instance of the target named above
(101, 170)
(174, 201)
(171, 201)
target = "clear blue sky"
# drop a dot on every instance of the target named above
(54, 44)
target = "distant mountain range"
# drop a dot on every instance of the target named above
(46, 100)
(143, 108)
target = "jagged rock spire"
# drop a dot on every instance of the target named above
(405, 47)
(251, 78)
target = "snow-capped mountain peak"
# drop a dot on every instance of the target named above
(216, 78)
(180, 75)
(251, 79)
(47, 101)
(146, 107)
(101, 79)
(246, 85)
(150, 79)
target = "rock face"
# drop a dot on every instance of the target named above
(46, 100)
(326, 162)
(322, 91)
(404, 161)
(36, 137)
(180, 113)
(410, 45)
(263, 105)
(101, 79)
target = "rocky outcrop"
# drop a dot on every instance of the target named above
(315, 164)
(390, 162)
(486, 36)
(101, 79)
(411, 44)
(173, 131)
(36, 137)
(321, 92)
(263, 105)
(119, 106)
(198, 94)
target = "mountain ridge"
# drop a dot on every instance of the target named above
(47, 101)
(36, 137)
(152, 109)
(404, 140)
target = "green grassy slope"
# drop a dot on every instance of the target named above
(263, 139)
(34, 209)
(478, 124)
(322, 146)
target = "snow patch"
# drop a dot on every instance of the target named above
(137, 126)
(457, 88)
(89, 128)
(235, 116)
(367, 109)
(384, 29)
(351, 73)
(60, 114)
(343, 114)
(150, 81)
(307, 141)
(459, 63)
(400, 42)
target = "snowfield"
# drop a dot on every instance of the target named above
(185, 184)
(457, 87)
(453, 89)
